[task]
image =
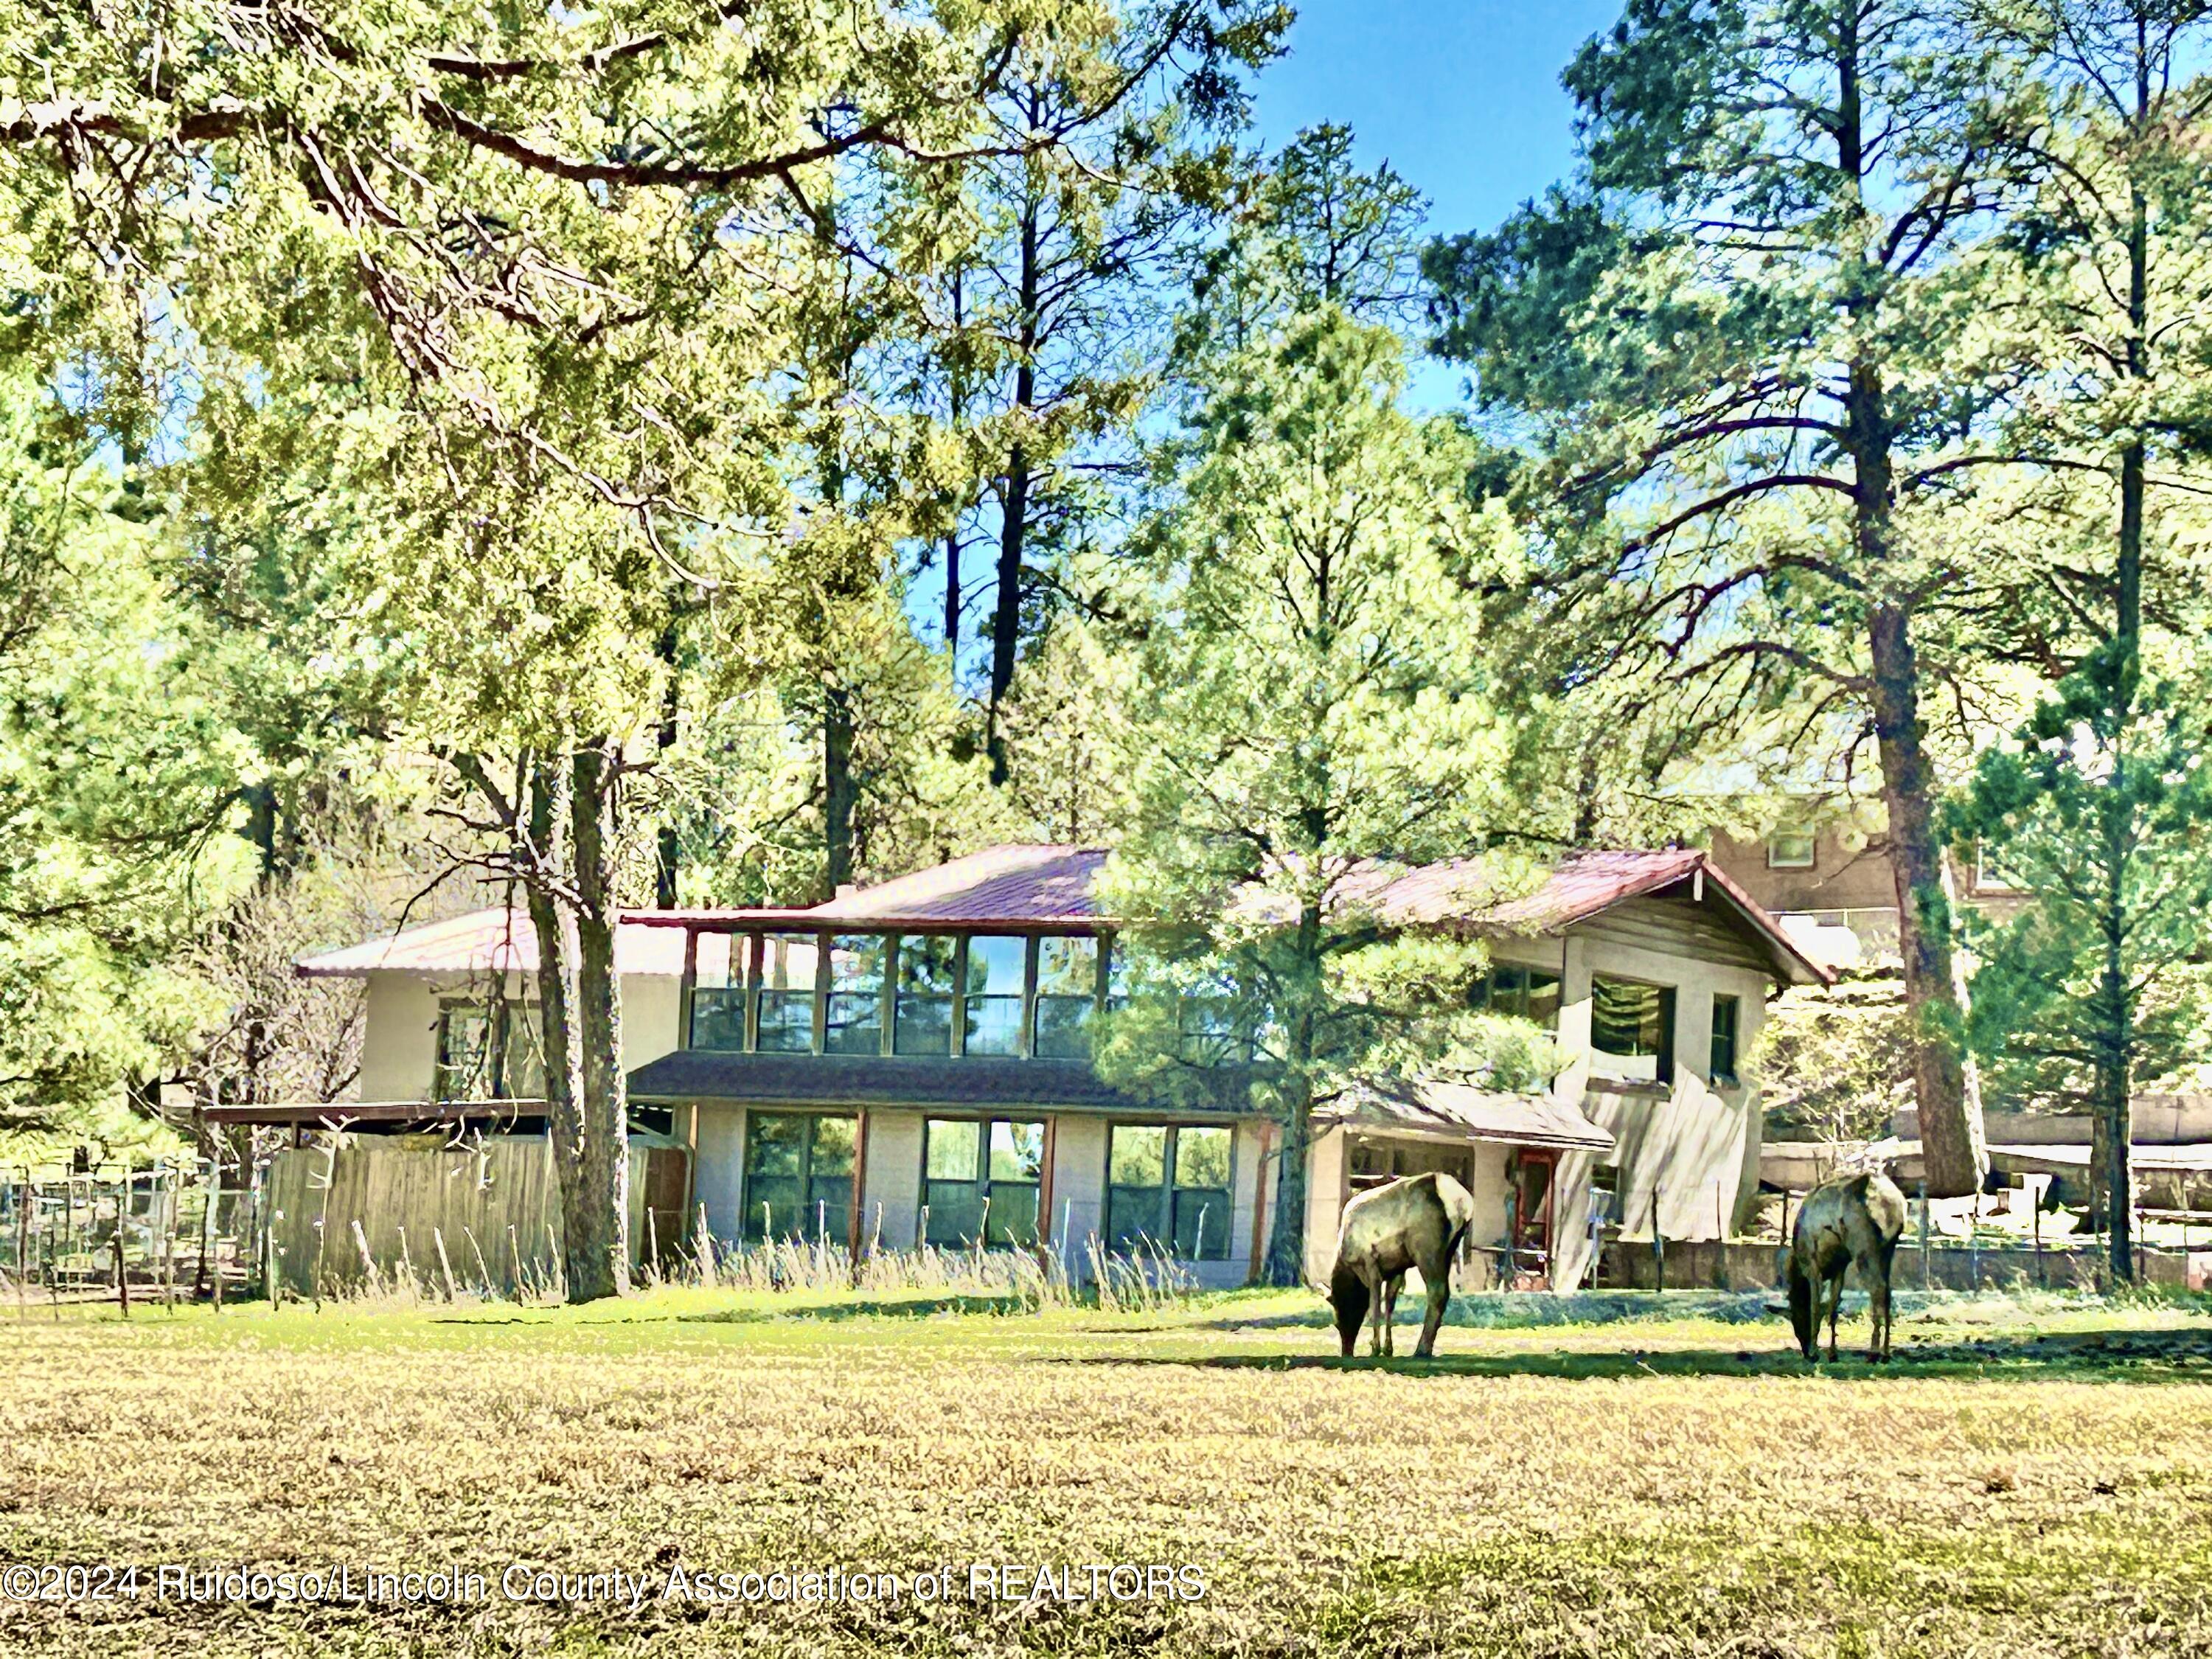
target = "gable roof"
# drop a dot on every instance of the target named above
(1013, 883)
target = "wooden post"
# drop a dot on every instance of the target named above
(1658, 1252)
(1262, 1217)
(856, 1207)
(122, 1279)
(1923, 1233)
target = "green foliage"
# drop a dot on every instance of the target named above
(1321, 710)
(2101, 809)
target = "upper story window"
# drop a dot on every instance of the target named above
(718, 992)
(1067, 993)
(933, 995)
(1632, 1030)
(783, 1001)
(1791, 846)
(488, 1055)
(997, 964)
(854, 1015)
(1528, 993)
(925, 984)
(1728, 1029)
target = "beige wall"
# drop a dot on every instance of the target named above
(399, 1037)
(891, 1198)
(718, 1169)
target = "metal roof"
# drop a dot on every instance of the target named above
(1045, 886)
(972, 1083)
(1436, 1105)
(486, 941)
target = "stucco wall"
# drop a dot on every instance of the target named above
(399, 1039)
(718, 1171)
(891, 1200)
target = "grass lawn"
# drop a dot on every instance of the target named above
(2029, 1478)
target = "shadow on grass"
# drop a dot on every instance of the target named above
(923, 1307)
(2158, 1357)
(1494, 1311)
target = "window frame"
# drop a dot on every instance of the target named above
(842, 1234)
(1776, 860)
(1485, 993)
(1666, 1060)
(1164, 1232)
(1715, 1074)
(981, 1182)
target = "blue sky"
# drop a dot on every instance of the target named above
(1462, 96)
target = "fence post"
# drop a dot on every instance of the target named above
(122, 1278)
(1923, 1234)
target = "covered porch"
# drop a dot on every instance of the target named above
(1505, 1149)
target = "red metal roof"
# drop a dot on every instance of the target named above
(1048, 886)
(1009, 884)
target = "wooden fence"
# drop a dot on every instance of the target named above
(357, 1210)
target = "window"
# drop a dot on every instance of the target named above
(1990, 873)
(798, 1177)
(1168, 1189)
(854, 1024)
(1632, 1030)
(1791, 847)
(1727, 1025)
(996, 966)
(785, 995)
(1211, 1030)
(924, 994)
(1067, 992)
(486, 1057)
(1527, 993)
(464, 1065)
(981, 1179)
(718, 995)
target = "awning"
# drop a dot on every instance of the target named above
(1436, 1109)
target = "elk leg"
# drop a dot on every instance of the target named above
(1835, 1289)
(1378, 1288)
(1439, 1299)
(1877, 1309)
(1390, 1315)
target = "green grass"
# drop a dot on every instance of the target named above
(1622, 1474)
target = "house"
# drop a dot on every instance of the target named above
(1827, 878)
(909, 1063)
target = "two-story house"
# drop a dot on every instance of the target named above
(910, 1063)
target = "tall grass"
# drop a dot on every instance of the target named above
(1144, 1279)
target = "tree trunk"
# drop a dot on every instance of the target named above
(554, 926)
(1944, 1088)
(1286, 1265)
(1014, 517)
(839, 794)
(598, 1245)
(668, 850)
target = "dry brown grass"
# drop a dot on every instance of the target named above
(1686, 1501)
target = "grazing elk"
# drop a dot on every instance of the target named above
(1849, 1221)
(1415, 1223)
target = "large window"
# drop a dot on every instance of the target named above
(981, 1179)
(1528, 993)
(785, 995)
(997, 965)
(1727, 1030)
(488, 1056)
(718, 993)
(798, 1177)
(1632, 1030)
(1168, 1189)
(924, 994)
(1068, 990)
(854, 1024)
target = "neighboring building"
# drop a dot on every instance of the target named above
(1829, 882)
(910, 1062)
